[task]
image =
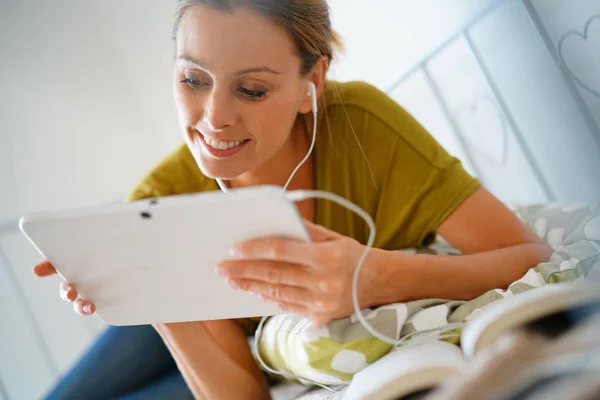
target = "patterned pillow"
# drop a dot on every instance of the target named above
(330, 354)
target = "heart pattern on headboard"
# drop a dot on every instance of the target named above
(484, 128)
(584, 46)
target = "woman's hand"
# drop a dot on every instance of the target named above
(67, 291)
(310, 279)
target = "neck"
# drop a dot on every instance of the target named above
(278, 169)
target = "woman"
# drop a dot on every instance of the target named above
(241, 77)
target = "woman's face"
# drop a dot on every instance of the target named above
(237, 87)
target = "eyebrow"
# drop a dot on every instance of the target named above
(240, 72)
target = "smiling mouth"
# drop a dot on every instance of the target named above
(222, 148)
(222, 144)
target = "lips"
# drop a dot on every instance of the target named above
(222, 144)
(222, 148)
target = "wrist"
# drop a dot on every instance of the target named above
(391, 277)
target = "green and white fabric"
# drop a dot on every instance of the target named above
(330, 354)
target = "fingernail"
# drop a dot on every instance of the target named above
(235, 252)
(222, 272)
(87, 309)
(233, 284)
(65, 294)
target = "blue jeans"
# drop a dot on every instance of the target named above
(125, 363)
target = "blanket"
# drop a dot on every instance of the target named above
(331, 354)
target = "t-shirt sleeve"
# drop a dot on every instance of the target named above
(446, 189)
(172, 175)
(422, 184)
(175, 174)
(148, 187)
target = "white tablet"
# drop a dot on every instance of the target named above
(153, 261)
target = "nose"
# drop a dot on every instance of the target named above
(219, 110)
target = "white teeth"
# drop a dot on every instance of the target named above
(219, 145)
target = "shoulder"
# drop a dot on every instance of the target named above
(364, 97)
(375, 116)
(177, 173)
(357, 94)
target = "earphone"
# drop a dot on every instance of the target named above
(298, 195)
(312, 91)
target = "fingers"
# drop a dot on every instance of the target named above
(290, 307)
(83, 307)
(69, 293)
(266, 271)
(280, 294)
(316, 316)
(289, 299)
(275, 249)
(44, 269)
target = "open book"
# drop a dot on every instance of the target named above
(410, 371)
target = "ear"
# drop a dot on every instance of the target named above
(317, 76)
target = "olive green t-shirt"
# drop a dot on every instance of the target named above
(368, 150)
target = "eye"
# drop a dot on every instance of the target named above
(194, 83)
(253, 95)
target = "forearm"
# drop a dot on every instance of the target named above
(215, 368)
(187, 374)
(407, 277)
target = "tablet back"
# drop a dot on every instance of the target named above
(154, 261)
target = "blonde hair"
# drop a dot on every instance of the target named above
(306, 21)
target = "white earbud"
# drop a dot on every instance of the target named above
(312, 91)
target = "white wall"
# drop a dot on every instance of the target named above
(384, 39)
(573, 38)
(21, 353)
(85, 105)
(551, 124)
(86, 108)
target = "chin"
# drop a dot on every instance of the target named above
(208, 167)
(219, 171)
